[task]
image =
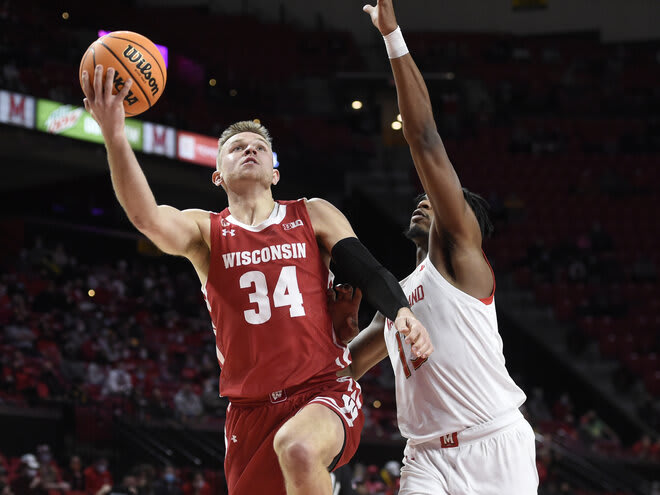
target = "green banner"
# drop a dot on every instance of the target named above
(75, 122)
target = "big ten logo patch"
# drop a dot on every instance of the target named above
(292, 225)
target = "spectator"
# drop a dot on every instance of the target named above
(373, 482)
(145, 478)
(157, 406)
(98, 480)
(187, 403)
(95, 374)
(119, 382)
(129, 486)
(5, 488)
(211, 400)
(595, 431)
(642, 448)
(169, 484)
(197, 486)
(74, 475)
(391, 474)
(27, 481)
(49, 472)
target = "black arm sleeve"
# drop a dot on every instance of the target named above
(378, 285)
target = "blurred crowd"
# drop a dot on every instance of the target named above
(40, 473)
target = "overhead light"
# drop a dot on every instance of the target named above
(396, 125)
(356, 105)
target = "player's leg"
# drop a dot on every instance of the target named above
(306, 446)
(502, 463)
(424, 471)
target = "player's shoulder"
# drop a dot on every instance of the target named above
(197, 214)
(319, 204)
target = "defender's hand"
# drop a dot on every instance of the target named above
(382, 15)
(106, 108)
(343, 304)
(414, 332)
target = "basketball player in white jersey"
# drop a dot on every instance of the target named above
(458, 408)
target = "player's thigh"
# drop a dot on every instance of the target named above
(505, 463)
(423, 472)
(250, 463)
(317, 428)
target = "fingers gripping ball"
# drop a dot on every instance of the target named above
(131, 55)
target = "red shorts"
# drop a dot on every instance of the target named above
(251, 465)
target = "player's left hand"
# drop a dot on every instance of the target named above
(382, 16)
(416, 334)
(343, 304)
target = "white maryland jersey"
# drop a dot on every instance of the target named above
(464, 382)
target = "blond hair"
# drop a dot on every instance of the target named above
(237, 128)
(244, 126)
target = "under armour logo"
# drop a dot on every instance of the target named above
(233, 439)
(231, 232)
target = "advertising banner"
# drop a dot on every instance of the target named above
(75, 122)
(196, 148)
(159, 139)
(17, 109)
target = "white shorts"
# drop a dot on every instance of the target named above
(492, 458)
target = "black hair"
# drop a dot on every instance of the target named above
(479, 206)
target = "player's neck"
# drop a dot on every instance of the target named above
(421, 255)
(251, 209)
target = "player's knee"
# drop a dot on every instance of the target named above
(294, 453)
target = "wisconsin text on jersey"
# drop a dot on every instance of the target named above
(264, 255)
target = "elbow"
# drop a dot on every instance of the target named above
(141, 222)
(422, 136)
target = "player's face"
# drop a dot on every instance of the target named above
(420, 222)
(422, 216)
(246, 156)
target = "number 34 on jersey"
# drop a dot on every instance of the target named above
(286, 293)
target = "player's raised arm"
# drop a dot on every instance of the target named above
(379, 286)
(429, 155)
(172, 230)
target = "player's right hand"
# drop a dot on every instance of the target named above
(382, 15)
(414, 332)
(106, 108)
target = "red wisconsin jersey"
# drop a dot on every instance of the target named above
(266, 292)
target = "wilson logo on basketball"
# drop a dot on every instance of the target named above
(118, 83)
(133, 55)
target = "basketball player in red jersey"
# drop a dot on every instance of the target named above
(263, 265)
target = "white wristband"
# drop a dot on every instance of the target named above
(395, 44)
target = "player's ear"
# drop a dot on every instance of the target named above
(276, 176)
(216, 178)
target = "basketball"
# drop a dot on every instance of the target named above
(132, 56)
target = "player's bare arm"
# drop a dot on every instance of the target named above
(367, 349)
(336, 236)
(433, 166)
(173, 231)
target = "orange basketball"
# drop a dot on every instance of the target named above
(131, 55)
